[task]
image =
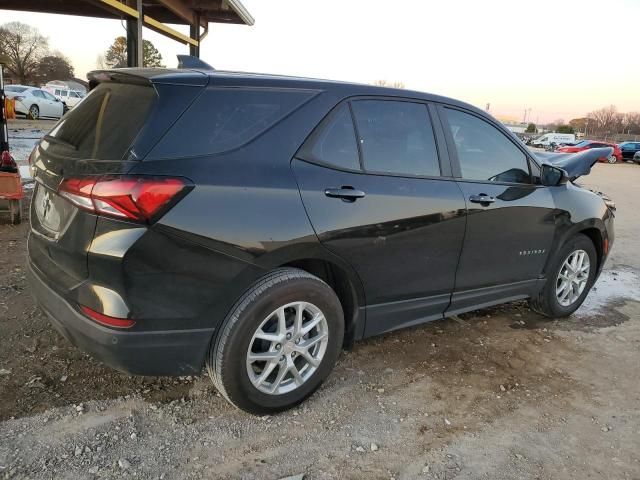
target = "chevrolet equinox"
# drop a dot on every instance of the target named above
(257, 224)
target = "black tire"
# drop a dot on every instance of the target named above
(34, 112)
(226, 361)
(546, 303)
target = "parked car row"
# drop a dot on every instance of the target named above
(35, 102)
(630, 150)
(614, 157)
(45, 102)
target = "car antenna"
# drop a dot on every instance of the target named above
(189, 61)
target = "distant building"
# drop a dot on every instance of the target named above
(74, 84)
(516, 127)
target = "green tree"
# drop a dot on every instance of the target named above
(565, 129)
(53, 67)
(116, 55)
(531, 128)
(25, 46)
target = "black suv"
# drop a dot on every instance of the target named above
(629, 149)
(258, 224)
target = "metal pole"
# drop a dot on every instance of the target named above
(139, 35)
(132, 43)
(4, 133)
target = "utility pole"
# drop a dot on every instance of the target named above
(4, 133)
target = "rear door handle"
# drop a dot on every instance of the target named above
(348, 194)
(482, 199)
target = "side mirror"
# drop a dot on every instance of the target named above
(552, 176)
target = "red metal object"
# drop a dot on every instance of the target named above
(11, 194)
(10, 186)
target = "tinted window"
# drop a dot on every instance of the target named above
(396, 137)
(484, 152)
(335, 142)
(222, 119)
(48, 96)
(37, 93)
(104, 125)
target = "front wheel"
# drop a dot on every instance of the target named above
(570, 277)
(612, 159)
(279, 342)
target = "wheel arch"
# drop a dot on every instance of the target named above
(593, 228)
(347, 286)
(596, 238)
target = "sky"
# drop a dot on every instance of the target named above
(560, 59)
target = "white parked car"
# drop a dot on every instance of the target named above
(34, 102)
(69, 97)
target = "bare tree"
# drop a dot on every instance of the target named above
(604, 121)
(386, 83)
(25, 46)
(101, 63)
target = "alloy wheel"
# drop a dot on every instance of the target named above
(287, 348)
(573, 277)
(612, 159)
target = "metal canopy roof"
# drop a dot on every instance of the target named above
(165, 11)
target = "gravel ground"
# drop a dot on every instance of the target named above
(23, 135)
(497, 394)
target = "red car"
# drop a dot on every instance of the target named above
(616, 156)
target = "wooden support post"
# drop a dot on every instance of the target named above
(194, 50)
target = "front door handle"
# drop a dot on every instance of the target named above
(348, 194)
(482, 199)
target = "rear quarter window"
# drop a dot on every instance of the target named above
(225, 118)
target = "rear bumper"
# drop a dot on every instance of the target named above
(172, 352)
(21, 108)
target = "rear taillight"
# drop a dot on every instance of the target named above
(142, 199)
(19, 98)
(106, 319)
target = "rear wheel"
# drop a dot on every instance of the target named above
(279, 342)
(569, 280)
(612, 159)
(34, 112)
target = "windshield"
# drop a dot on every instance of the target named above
(583, 143)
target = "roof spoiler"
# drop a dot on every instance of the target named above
(189, 61)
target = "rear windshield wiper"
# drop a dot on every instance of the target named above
(59, 141)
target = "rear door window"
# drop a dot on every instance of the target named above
(104, 125)
(396, 137)
(222, 119)
(334, 142)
